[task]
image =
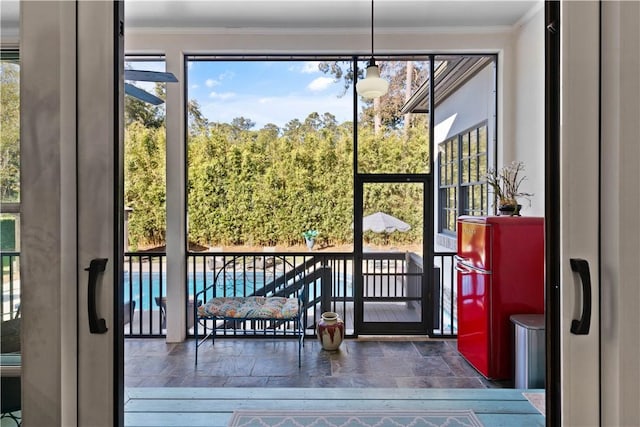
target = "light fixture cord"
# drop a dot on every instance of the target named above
(371, 28)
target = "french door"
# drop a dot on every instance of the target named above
(599, 240)
(392, 286)
(71, 228)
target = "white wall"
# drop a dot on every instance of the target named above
(469, 106)
(528, 110)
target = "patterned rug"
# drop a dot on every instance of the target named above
(354, 418)
(537, 400)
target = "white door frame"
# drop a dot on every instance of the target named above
(620, 202)
(580, 207)
(71, 134)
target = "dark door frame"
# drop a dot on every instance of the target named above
(552, 219)
(394, 328)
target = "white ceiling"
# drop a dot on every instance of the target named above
(310, 14)
(325, 14)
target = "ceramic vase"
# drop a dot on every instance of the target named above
(330, 331)
(310, 243)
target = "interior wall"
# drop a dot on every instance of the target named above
(528, 113)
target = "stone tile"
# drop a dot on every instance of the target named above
(297, 381)
(432, 366)
(259, 362)
(371, 366)
(460, 367)
(275, 367)
(399, 349)
(439, 382)
(239, 366)
(204, 381)
(362, 348)
(436, 348)
(247, 382)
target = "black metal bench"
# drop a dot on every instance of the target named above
(270, 307)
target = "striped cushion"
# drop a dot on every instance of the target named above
(251, 308)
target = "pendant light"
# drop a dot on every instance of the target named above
(372, 86)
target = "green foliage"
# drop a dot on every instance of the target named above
(266, 187)
(145, 183)
(9, 132)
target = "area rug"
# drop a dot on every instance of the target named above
(537, 400)
(434, 418)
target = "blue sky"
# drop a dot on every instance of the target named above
(262, 91)
(265, 92)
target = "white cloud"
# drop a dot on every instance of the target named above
(222, 96)
(195, 86)
(320, 84)
(310, 67)
(227, 75)
(211, 83)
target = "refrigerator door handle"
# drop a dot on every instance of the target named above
(581, 326)
(463, 267)
(461, 260)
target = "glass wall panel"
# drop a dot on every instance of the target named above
(464, 97)
(393, 225)
(270, 154)
(393, 130)
(144, 159)
(10, 313)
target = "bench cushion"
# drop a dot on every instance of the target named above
(251, 308)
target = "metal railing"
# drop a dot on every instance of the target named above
(330, 287)
(10, 285)
(327, 278)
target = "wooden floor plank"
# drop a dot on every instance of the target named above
(167, 407)
(191, 419)
(285, 393)
(216, 405)
(512, 420)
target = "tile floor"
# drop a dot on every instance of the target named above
(259, 362)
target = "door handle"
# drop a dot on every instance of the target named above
(581, 326)
(96, 325)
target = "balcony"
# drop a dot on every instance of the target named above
(389, 276)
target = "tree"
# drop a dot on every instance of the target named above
(136, 110)
(9, 132)
(145, 183)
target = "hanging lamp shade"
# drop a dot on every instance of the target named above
(372, 86)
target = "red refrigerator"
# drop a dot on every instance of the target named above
(500, 272)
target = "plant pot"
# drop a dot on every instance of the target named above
(310, 243)
(330, 331)
(510, 210)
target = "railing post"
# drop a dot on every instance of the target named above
(326, 287)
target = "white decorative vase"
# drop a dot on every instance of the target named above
(330, 330)
(310, 243)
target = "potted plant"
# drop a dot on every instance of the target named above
(310, 238)
(505, 184)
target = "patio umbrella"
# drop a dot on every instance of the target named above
(381, 222)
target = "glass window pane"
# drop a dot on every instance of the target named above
(144, 163)
(10, 130)
(393, 129)
(465, 170)
(270, 154)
